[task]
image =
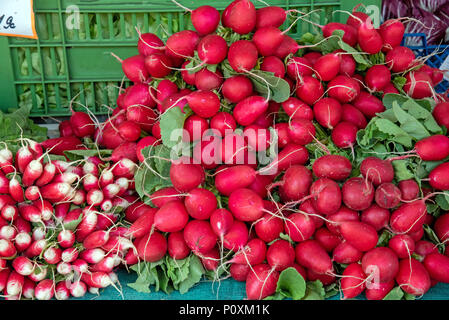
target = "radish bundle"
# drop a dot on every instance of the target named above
(318, 163)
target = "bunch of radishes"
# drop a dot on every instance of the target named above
(327, 216)
(59, 234)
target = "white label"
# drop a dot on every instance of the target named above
(17, 18)
(445, 66)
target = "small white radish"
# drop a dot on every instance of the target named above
(124, 168)
(8, 232)
(63, 268)
(9, 212)
(69, 255)
(7, 249)
(62, 292)
(78, 289)
(23, 266)
(28, 289)
(39, 274)
(14, 284)
(66, 238)
(52, 255)
(47, 175)
(44, 290)
(66, 177)
(93, 290)
(22, 241)
(93, 255)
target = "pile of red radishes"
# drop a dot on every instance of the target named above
(236, 215)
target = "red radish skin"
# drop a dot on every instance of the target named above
(387, 196)
(399, 59)
(149, 43)
(204, 103)
(382, 262)
(433, 148)
(402, 245)
(301, 131)
(221, 221)
(377, 171)
(200, 203)
(377, 77)
(376, 216)
(409, 189)
(413, 277)
(143, 224)
(344, 135)
(441, 227)
(185, 175)
(295, 108)
(369, 39)
(295, 183)
(261, 282)
(441, 114)
(309, 90)
(298, 68)
(253, 253)
(327, 196)
(437, 265)
(245, 205)
(310, 254)
(280, 255)
(182, 44)
(418, 85)
(269, 227)
(236, 88)
(171, 217)
(177, 247)
(287, 46)
(380, 291)
(343, 214)
(66, 238)
(240, 16)
(347, 66)
(270, 16)
(208, 80)
(299, 227)
(273, 64)
(353, 281)
(267, 39)
(249, 109)
(152, 247)
(346, 253)
(236, 237)
(239, 272)
(334, 167)
(350, 32)
(205, 19)
(359, 234)
(343, 88)
(199, 236)
(357, 194)
(327, 112)
(368, 104)
(408, 217)
(439, 178)
(327, 239)
(242, 55)
(212, 49)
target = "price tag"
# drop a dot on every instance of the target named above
(17, 19)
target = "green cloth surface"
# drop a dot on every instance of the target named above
(207, 290)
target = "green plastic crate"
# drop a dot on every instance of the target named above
(65, 65)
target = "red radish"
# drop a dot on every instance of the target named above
(234, 150)
(182, 44)
(402, 245)
(82, 124)
(144, 116)
(239, 272)
(23, 266)
(346, 253)
(199, 236)
(236, 88)
(280, 255)
(439, 177)
(253, 253)
(353, 281)
(15, 190)
(359, 234)
(259, 138)
(267, 39)
(387, 195)
(368, 104)
(409, 189)
(28, 289)
(327, 67)
(124, 168)
(96, 279)
(62, 292)
(94, 197)
(171, 217)
(22, 225)
(87, 224)
(327, 239)
(242, 55)
(47, 175)
(299, 227)
(334, 167)
(295, 108)
(32, 172)
(441, 227)
(343, 88)
(353, 115)
(96, 239)
(327, 112)
(350, 32)
(177, 247)
(347, 65)
(205, 19)
(22, 241)
(326, 196)
(29, 212)
(287, 46)
(441, 114)
(200, 203)
(270, 16)
(357, 193)
(273, 64)
(164, 195)
(301, 131)
(382, 263)
(299, 67)
(138, 95)
(66, 238)
(261, 282)
(400, 59)
(311, 254)
(23, 158)
(236, 237)
(377, 77)
(130, 131)
(344, 134)
(376, 216)
(418, 85)
(185, 175)
(149, 43)
(413, 277)
(93, 255)
(380, 291)
(249, 109)
(369, 39)
(208, 80)
(212, 49)
(377, 171)
(230, 179)
(9, 212)
(437, 265)
(425, 148)
(221, 221)
(204, 103)
(295, 183)
(144, 143)
(55, 192)
(324, 278)
(65, 129)
(158, 65)
(408, 217)
(245, 204)
(52, 255)
(309, 90)
(240, 16)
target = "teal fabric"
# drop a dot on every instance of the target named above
(207, 290)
